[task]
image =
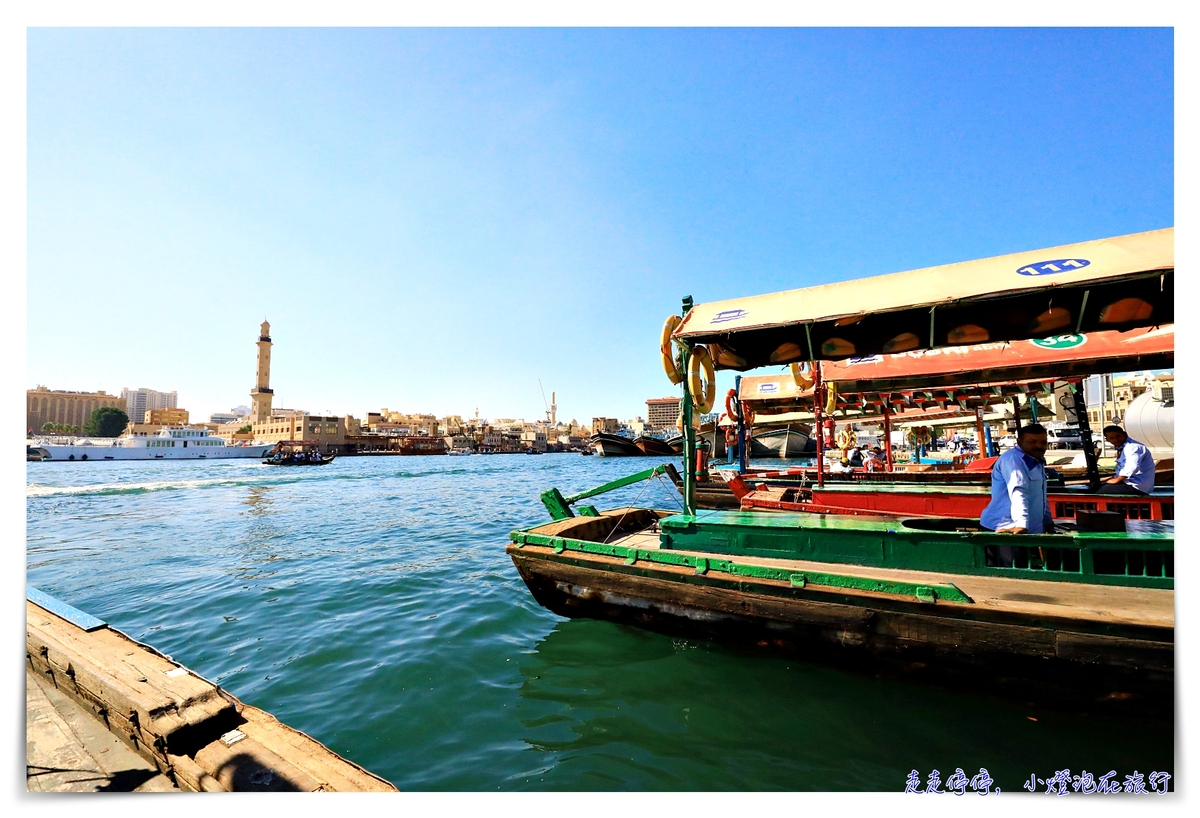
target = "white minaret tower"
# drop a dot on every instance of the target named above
(262, 394)
(553, 410)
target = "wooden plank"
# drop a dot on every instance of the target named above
(331, 771)
(201, 736)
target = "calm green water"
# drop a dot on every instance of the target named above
(370, 604)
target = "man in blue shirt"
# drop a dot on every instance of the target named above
(1019, 503)
(1135, 465)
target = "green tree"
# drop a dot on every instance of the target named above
(107, 421)
(245, 429)
(49, 427)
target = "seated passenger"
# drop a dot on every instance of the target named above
(1019, 504)
(1135, 465)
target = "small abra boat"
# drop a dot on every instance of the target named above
(297, 453)
(1086, 610)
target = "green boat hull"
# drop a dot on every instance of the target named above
(1092, 611)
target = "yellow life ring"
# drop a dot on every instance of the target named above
(708, 388)
(831, 398)
(846, 438)
(802, 375)
(668, 354)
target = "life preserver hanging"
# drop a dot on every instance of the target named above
(830, 398)
(731, 405)
(704, 392)
(670, 366)
(846, 438)
(802, 374)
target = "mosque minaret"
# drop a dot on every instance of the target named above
(261, 394)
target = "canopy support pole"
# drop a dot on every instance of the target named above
(741, 425)
(985, 447)
(887, 436)
(689, 434)
(1085, 432)
(819, 399)
(1017, 413)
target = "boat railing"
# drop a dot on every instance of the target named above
(560, 506)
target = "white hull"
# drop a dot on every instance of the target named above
(122, 451)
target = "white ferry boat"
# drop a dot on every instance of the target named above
(168, 444)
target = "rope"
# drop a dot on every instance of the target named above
(623, 516)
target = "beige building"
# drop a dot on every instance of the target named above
(330, 432)
(44, 406)
(662, 413)
(166, 417)
(608, 426)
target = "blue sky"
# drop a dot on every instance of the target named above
(434, 219)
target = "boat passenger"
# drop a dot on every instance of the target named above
(842, 467)
(874, 460)
(1135, 465)
(1020, 504)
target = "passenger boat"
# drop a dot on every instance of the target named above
(653, 446)
(1090, 605)
(297, 453)
(171, 443)
(783, 443)
(606, 445)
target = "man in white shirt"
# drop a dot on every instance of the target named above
(1019, 502)
(1135, 465)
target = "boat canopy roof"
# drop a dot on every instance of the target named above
(1119, 283)
(1055, 358)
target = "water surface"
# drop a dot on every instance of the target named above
(370, 604)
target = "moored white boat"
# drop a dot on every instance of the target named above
(168, 444)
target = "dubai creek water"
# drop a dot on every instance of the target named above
(370, 603)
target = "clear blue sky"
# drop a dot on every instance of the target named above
(432, 220)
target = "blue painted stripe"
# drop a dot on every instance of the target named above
(68, 612)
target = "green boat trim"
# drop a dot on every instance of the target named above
(930, 592)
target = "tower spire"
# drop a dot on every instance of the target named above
(262, 394)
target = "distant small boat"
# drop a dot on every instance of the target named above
(297, 453)
(586, 452)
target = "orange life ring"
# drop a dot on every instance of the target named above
(729, 396)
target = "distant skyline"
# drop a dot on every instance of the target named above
(432, 220)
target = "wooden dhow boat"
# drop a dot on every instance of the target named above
(1089, 605)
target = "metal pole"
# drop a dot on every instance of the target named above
(741, 425)
(818, 394)
(1017, 413)
(1085, 432)
(887, 435)
(689, 434)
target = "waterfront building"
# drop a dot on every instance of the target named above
(222, 417)
(533, 439)
(287, 424)
(661, 413)
(166, 417)
(140, 401)
(262, 394)
(637, 426)
(44, 406)
(607, 426)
